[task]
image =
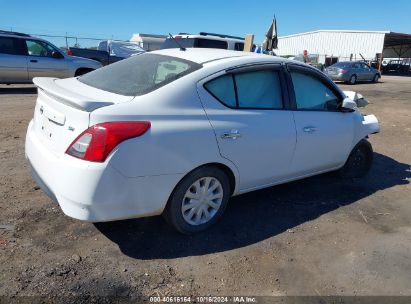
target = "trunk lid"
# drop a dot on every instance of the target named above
(63, 110)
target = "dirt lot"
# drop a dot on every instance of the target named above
(319, 236)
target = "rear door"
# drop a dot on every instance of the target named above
(254, 130)
(324, 133)
(41, 62)
(13, 61)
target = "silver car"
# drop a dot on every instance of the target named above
(23, 57)
(352, 71)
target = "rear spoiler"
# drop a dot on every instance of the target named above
(49, 87)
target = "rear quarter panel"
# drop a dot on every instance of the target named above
(180, 138)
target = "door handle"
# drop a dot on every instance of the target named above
(33, 60)
(233, 134)
(309, 129)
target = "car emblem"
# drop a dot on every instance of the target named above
(70, 128)
(41, 110)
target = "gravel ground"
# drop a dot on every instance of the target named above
(318, 236)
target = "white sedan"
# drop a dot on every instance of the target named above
(177, 132)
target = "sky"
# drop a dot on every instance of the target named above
(119, 19)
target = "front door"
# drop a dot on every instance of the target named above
(368, 73)
(324, 133)
(41, 62)
(252, 127)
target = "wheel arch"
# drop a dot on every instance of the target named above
(231, 173)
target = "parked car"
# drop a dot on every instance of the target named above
(311, 59)
(205, 40)
(396, 66)
(23, 57)
(352, 71)
(177, 133)
(108, 51)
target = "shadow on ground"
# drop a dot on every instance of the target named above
(4, 90)
(256, 216)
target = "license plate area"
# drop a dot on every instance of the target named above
(46, 127)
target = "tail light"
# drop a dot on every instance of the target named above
(69, 52)
(97, 142)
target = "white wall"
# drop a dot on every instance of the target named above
(336, 43)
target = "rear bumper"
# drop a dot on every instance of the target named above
(95, 192)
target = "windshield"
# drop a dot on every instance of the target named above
(139, 74)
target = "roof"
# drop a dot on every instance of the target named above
(390, 38)
(204, 55)
(336, 31)
(394, 39)
(150, 35)
(21, 36)
(210, 36)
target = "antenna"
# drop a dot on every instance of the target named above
(175, 40)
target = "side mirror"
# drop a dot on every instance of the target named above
(348, 105)
(360, 100)
(56, 55)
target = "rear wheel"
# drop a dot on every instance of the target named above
(359, 161)
(198, 201)
(352, 80)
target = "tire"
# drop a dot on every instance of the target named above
(376, 78)
(352, 80)
(359, 161)
(189, 220)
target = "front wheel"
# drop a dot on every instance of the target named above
(353, 80)
(359, 161)
(376, 78)
(198, 201)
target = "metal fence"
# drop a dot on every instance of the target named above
(66, 41)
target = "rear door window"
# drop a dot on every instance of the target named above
(11, 46)
(222, 88)
(259, 89)
(248, 90)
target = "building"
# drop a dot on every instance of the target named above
(149, 42)
(342, 45)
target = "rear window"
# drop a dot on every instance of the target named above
(140, 74)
